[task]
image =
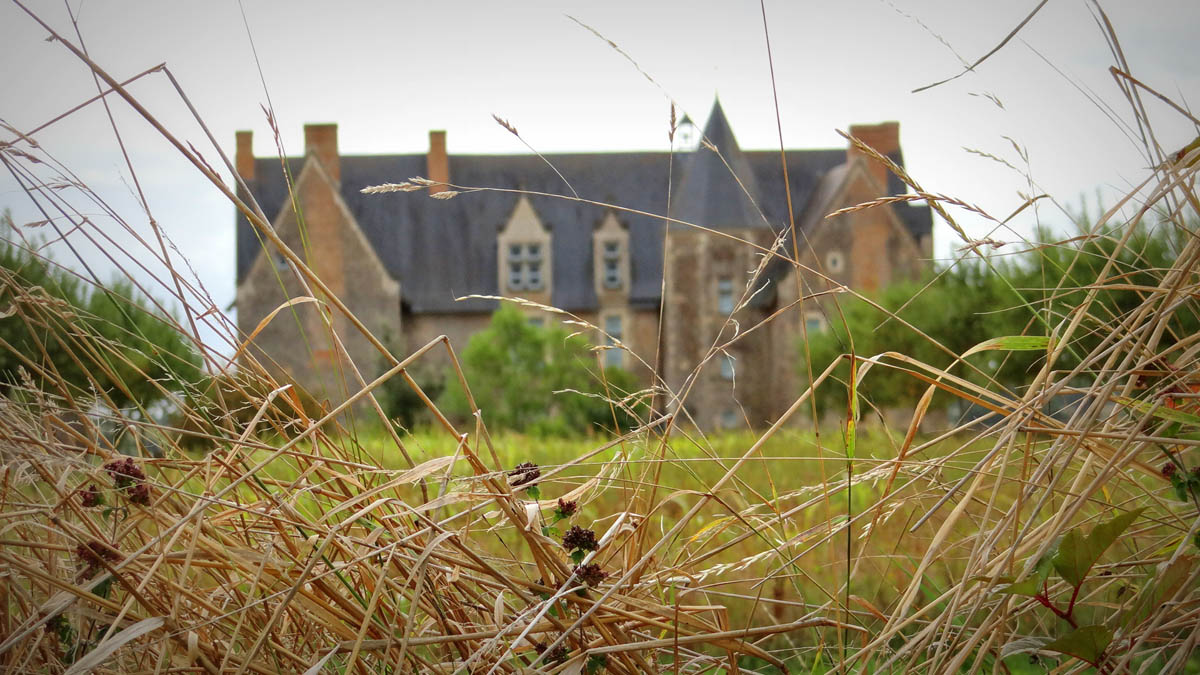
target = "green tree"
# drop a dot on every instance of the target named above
(1024, 294)
(515, 368)
(966, 306)
(72, 341)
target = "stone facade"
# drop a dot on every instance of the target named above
(400, 265)
(298, 340)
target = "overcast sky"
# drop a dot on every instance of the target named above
(387, 73)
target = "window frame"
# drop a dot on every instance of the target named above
(725, 300)
(614, 356)
(525, 266)
(533, 275)
(610, 260)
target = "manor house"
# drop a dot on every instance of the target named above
(401, 260)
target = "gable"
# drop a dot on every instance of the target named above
(875, 245)
(315, 190)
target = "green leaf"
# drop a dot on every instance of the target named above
(1077, 553)
(1160, 411)
(1182, 486)
(1087, 643)
(1011, 343)
(817, 661)
(1074, 558)
(595, 664)
(1029, 587)
(1162, 584)
(1032, 585)
(533, 492)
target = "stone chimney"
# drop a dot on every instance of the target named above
(321, 140)
(884, 138)
(437, 165)
(244, 161)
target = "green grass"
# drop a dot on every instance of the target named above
(792, 469)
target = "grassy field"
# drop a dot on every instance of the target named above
(773, 546)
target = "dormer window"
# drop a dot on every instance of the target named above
(525, 267)
(525, 254)
(610, 259)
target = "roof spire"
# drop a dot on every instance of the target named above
(709, 195)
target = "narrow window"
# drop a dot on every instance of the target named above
(729, 419)
(726, 366)
(725, 296)
(613, 357)
(612, 265)
(533, 276)
(533, 267)
(515, 276)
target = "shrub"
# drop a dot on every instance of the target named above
(536, 379)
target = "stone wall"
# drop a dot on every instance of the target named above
(716, 398)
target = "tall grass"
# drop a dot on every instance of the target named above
(263, 535)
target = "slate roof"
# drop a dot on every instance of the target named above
(442, 249)
(707, 193)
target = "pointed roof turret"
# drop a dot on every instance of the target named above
(708, 195)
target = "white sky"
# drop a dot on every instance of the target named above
(387, 73)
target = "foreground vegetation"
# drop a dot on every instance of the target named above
(265, 533)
